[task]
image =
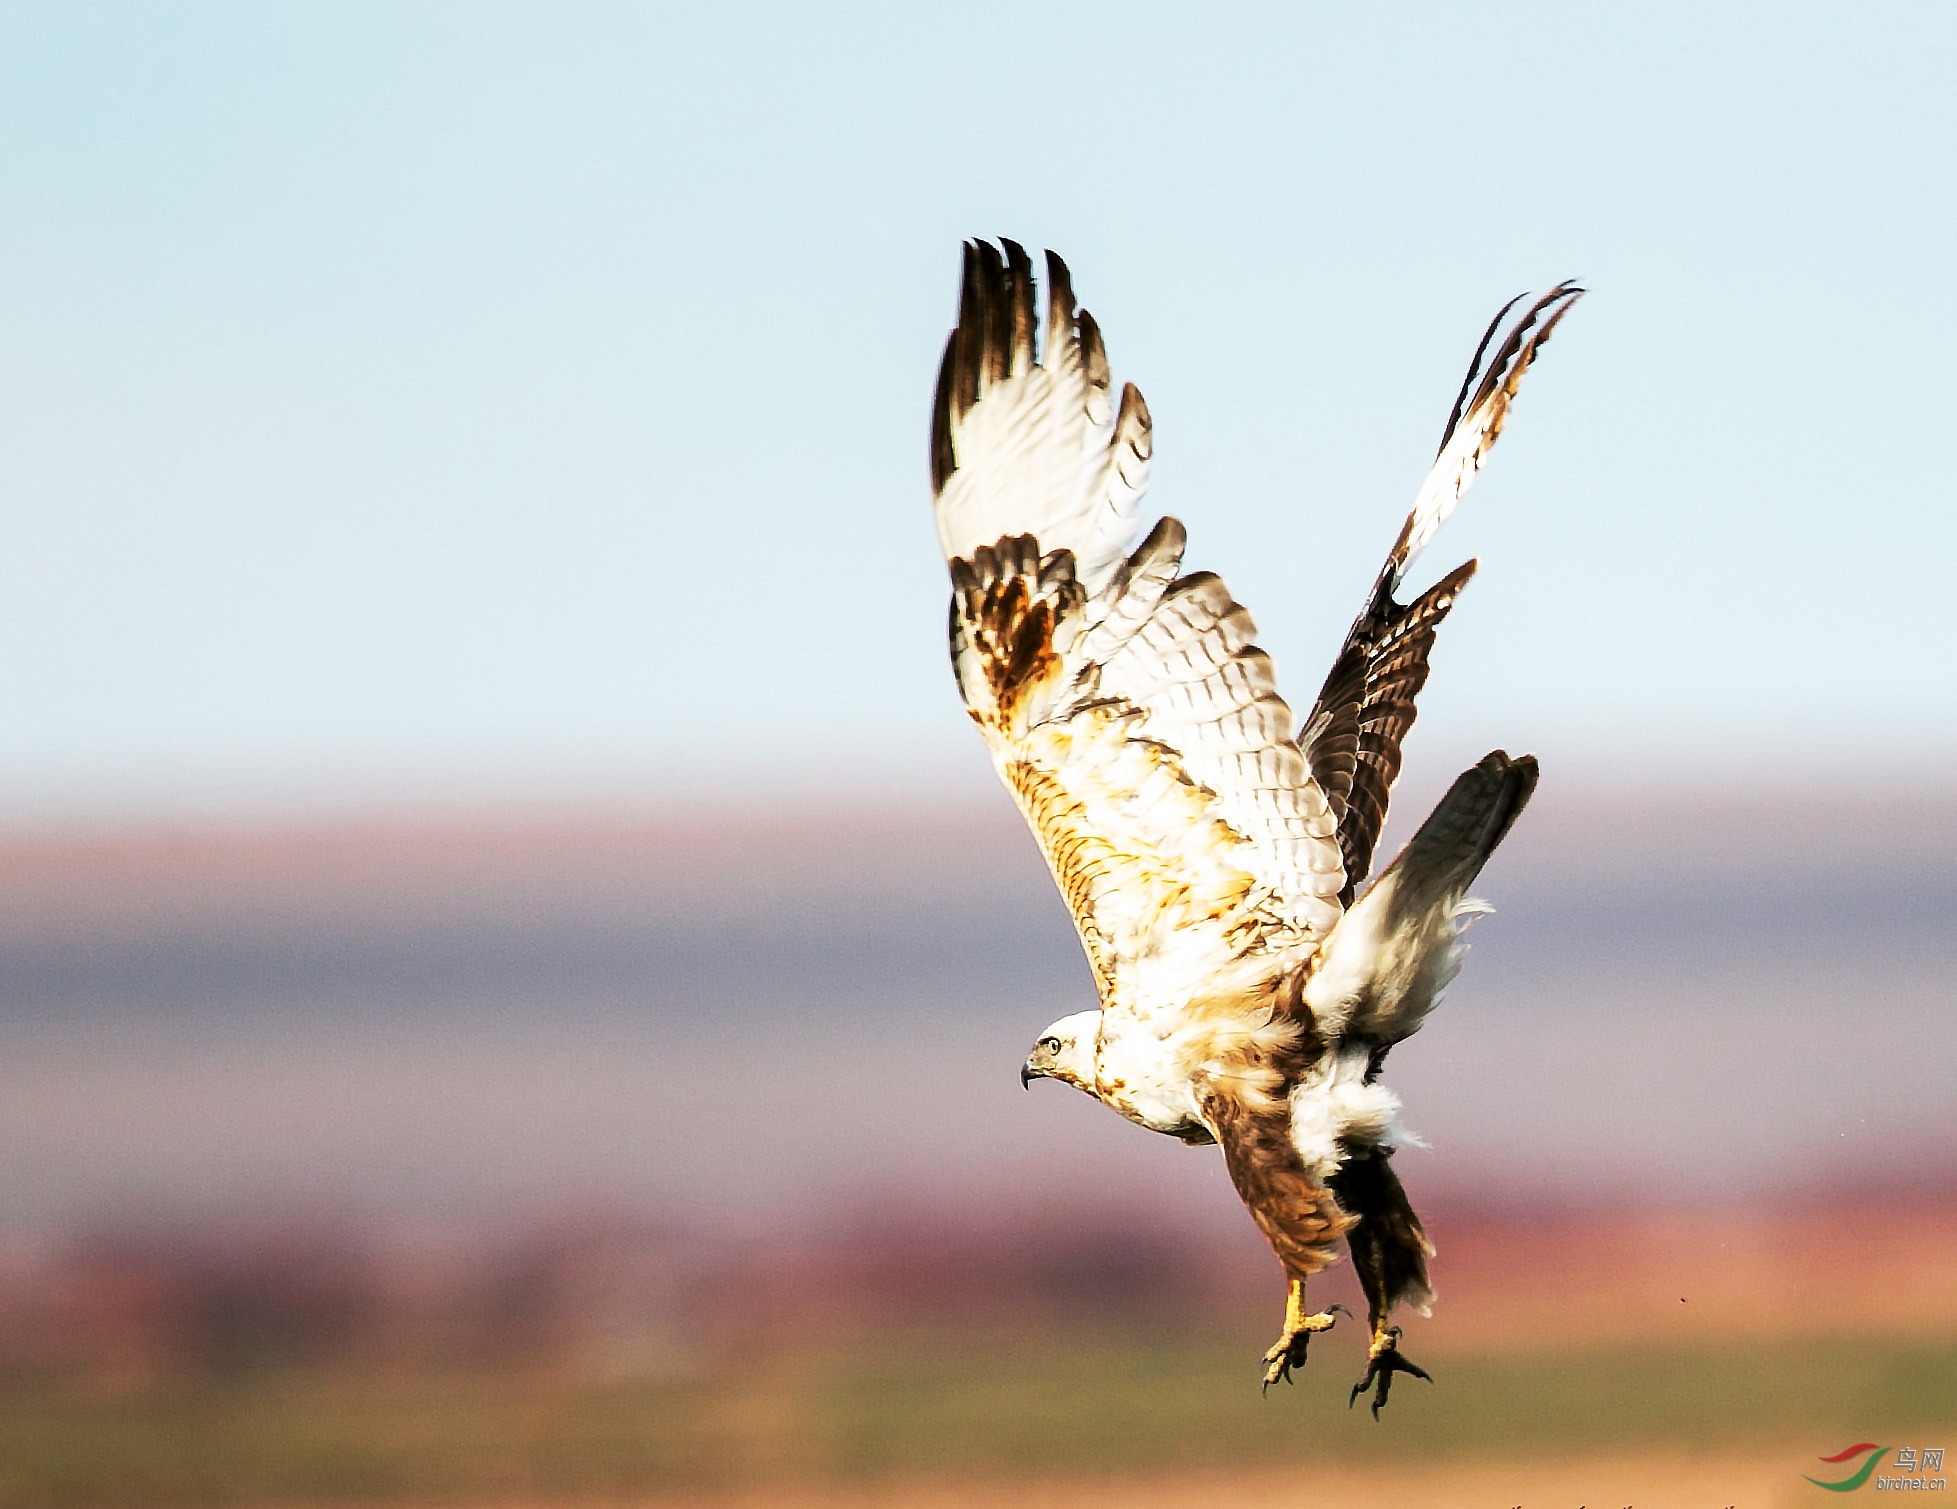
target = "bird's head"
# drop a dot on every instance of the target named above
(1065, 1051)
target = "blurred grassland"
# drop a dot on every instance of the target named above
(977, 1407)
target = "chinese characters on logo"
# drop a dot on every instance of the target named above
(1915, 1467)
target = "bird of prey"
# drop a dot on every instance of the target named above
(1211, 847)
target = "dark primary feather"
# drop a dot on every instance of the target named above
(1474, 367)
(1060, 307)
(1053, 456)
(994, 336)
(1525, 338)
(973, 353)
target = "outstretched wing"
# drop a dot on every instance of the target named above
(1124, 704)
(1366, 706)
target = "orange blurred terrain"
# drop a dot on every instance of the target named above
(1667, 1357)
(572, 1162)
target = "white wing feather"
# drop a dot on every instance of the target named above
(1045, 453)
(1125, 705)
(1479, 413)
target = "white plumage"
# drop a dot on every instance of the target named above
(1062, 463)
(1207, 853)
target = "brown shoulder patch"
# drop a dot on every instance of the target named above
(1011, 608)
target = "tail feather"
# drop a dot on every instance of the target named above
(1469, 823)
(1392, 955)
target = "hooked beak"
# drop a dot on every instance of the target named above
(1026, 1075)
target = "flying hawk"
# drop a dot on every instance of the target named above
(1210, 847)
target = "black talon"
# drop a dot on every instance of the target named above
(1382, 1368)
(1301, 1340)
(1284, 1372)
(1397, 1365)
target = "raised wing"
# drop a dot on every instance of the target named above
(1124, 704)
(1366, 706)
(1038, 455)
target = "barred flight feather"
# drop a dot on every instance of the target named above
(1130, 595)
(1026, 446)
(1366, 707)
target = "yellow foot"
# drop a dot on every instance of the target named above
(1289, 1352)
(1383, 1360)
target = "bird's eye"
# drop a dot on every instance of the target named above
(1051, 1044)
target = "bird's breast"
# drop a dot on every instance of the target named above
(1142, 1078)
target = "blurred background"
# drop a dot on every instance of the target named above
(513, 966)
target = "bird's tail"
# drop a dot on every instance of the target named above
(1468, 824)
(1390, 957)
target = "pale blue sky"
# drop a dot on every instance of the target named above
(430, 402)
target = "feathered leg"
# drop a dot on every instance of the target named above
(1297, 1214)
(1389, 1252)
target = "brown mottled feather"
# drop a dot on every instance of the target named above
(1078, 856)
(1365, 709)
(1170, 841)
(1298, 1216)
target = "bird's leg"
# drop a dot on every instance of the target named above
(1383, 1357)
(1299, 1328)
(1383, 1360)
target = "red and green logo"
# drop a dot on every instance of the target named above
(1860, 1475)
